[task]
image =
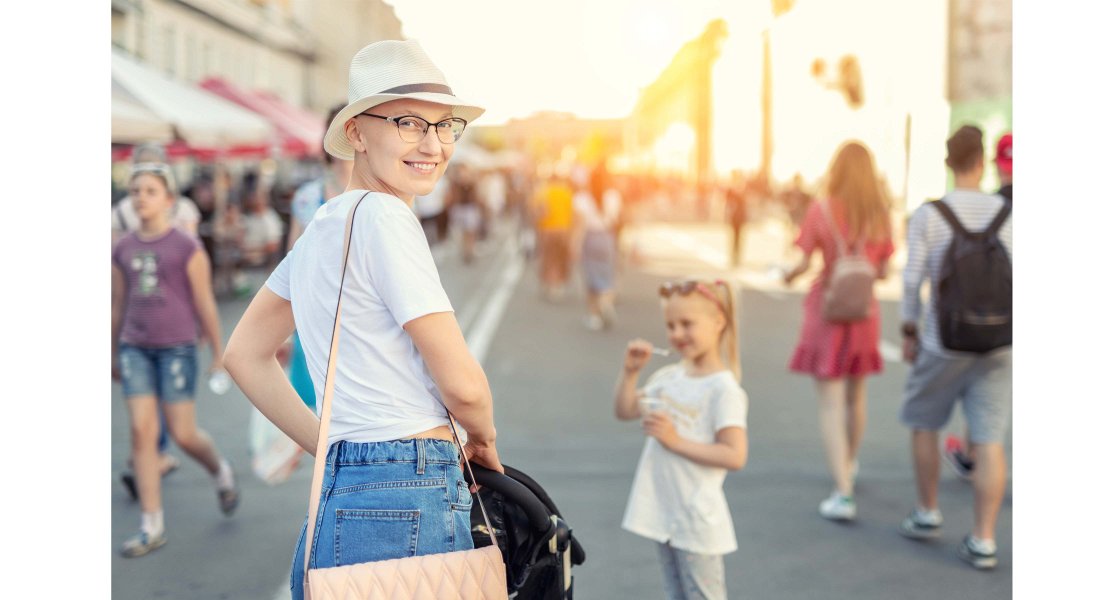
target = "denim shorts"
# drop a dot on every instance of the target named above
(981, 383)
(169, 374)
(384, 500)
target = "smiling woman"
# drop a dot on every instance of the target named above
(407, 164)
(386, 471)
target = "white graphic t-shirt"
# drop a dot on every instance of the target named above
(674, 499)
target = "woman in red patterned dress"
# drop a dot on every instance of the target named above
(841, 355)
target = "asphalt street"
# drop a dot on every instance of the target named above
(552, 383)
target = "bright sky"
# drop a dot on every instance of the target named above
(592, 57)
(588, 57)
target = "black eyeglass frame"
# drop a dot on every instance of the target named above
(428, 125)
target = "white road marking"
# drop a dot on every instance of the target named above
(696, 248)
(715, 257)
(467, 316)
(483, 328)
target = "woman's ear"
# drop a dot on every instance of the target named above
(353, 135)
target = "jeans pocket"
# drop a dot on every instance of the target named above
(370, 535)
(462, 498)
(461, 517)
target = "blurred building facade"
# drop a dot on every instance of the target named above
(299, 50)
(340, 28)
(980, 40)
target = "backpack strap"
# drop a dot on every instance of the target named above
(997, 223)
(842, 247)
(950, 217)
(959, 228)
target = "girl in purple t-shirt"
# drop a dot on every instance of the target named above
(161, 294)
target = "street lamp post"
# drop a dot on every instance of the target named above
(777, 9)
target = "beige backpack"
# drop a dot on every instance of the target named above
(848, 293)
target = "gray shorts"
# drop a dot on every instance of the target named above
(981, 382)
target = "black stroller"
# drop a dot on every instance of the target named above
(537, 545)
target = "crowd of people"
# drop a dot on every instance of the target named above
(403, 368)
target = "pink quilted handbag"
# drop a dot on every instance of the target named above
(478, 574)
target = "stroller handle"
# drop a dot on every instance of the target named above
(513, 490)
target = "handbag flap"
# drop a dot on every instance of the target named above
(476, 574)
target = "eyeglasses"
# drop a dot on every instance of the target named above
(413, 129)
(685, 288)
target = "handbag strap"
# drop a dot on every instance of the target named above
(325, 416)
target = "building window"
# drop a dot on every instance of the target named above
(190, 56)
(169, 50)
(207, 59)
(120, 30)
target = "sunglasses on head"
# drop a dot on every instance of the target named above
(685, 288)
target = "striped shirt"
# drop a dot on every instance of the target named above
(927, 241)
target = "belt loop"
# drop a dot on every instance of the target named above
(421, 459)
(332, 459)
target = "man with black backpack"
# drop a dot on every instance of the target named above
(961, 349)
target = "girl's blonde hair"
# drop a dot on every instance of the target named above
(728, 338)
(853, 183)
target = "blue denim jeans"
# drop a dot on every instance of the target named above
(385, 500)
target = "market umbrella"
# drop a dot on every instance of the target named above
(198, 117)
(134, 124)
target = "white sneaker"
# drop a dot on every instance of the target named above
(609, 315)
(593, 322)
(838, 507)
(922, 524)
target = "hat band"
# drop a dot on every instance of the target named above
(434, 88)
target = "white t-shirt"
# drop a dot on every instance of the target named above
(383, 390)
(492, 190)
(593, 219)
(262, 228)
(674, 499)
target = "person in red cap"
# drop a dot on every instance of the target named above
(1003, 165)
(957, 451)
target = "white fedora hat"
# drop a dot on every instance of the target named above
(390, 70)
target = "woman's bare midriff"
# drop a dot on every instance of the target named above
(443, 432)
